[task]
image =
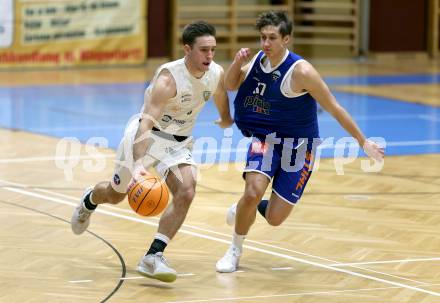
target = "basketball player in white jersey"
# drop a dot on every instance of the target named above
(161, 138)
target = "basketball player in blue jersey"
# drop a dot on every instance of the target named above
(276, 106)
(162, 139)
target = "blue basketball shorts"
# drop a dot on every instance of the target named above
(288, 163)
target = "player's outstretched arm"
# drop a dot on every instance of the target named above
(305, 77)
(235, 73)
(221, 101)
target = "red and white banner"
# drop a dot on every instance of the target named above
(42, 33)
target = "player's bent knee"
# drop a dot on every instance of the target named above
(252, 197)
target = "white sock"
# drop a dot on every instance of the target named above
(162, 238)
(237, 240)
(91, 199)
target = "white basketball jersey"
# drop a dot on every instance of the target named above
(181, 112)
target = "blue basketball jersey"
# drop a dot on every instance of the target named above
(261, 108)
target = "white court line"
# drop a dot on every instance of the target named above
(77, 199)
(335, 263)
(396, 143)
(325, 146)
(79, 128)
(205, 151)
(54, 158)
(247, 240)
(133, 278)
(331, 292)
(378, 117)
(27, 193)
(414, 143)
(211, 123)
(432, 118)
(81, 281)
(282, 268)
(390, 261)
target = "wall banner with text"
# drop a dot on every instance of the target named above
(42, 33)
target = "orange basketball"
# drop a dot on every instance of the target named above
(148, 196)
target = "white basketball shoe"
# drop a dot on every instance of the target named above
(229, 262)
(155, 266)
(81, 216)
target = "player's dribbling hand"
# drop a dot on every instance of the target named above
(373, 150)
(242, 55)
(224, 123)
(138, 171)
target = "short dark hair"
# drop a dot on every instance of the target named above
(275, 18)
(196, 29)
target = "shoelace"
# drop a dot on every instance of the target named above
(233, 252)
(162, 258)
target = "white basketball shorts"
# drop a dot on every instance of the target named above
(164, 154)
